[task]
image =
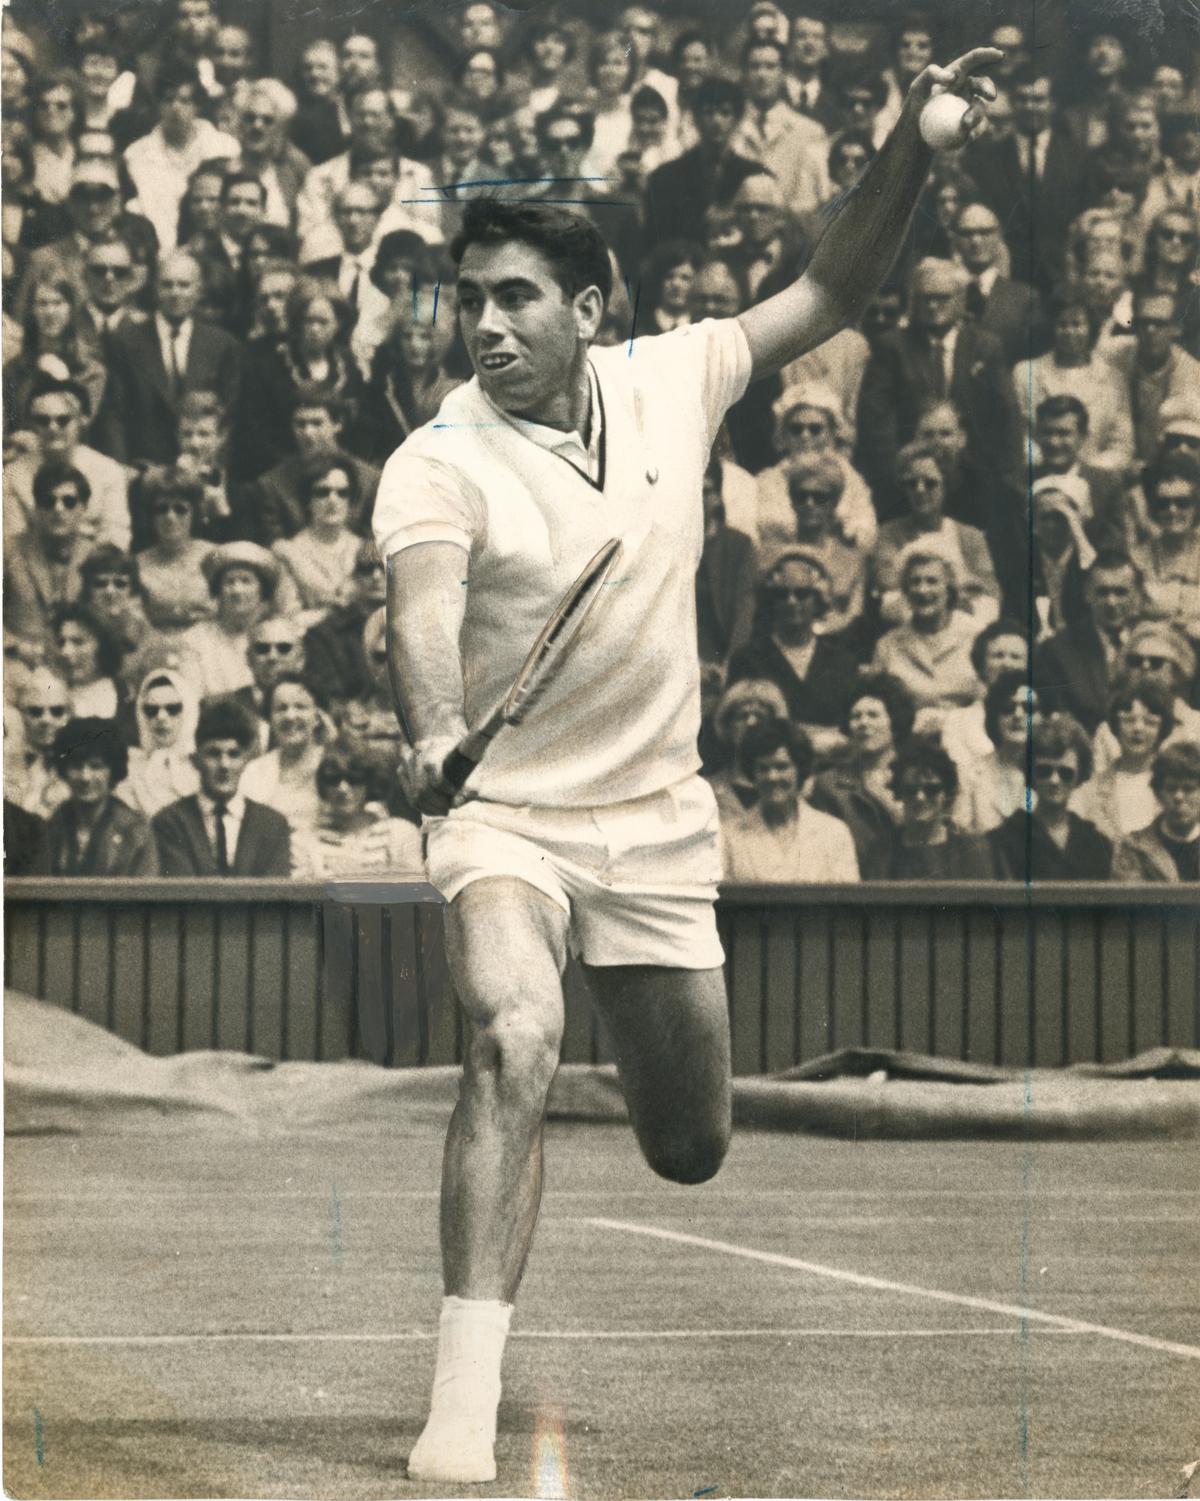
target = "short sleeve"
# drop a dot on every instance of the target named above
(706, 365)
(424, 500)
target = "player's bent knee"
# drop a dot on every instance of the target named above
(691, 1159)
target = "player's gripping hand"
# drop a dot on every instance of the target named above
(421, 775)
(958, 78)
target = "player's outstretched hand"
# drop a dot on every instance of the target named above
(958, 78)
(421, 776)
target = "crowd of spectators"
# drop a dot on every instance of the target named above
(948, 604)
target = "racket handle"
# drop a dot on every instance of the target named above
(468, 753)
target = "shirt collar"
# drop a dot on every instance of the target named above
(172, 335)
(568, 445)
(235, 808)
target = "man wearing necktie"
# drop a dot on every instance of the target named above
(1009, 309)
(356, 215)
(217, 831)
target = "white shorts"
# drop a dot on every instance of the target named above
(638, 879)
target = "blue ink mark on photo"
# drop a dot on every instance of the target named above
(707, 1491)
(38, 1437)
(637, 302)
(437, 297)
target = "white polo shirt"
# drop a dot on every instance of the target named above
(621, 719)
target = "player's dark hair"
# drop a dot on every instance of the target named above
(226, 719)
(81, 739)
(576, 252)
(776, 734)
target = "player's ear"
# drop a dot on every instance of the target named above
(589, 313)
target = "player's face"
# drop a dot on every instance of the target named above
(524, 335)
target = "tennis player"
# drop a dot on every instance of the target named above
(586, 829)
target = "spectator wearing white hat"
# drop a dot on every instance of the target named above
(247, 583)
(1062, 552)
(1158, 653)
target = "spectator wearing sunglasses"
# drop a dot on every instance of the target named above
(112, 591)
(814, 675)
(41, 566)
(93, 833)
(92, 215)
(1168, 848)
(926, 846)
(218, 830)
(354, 835)
(161, 769)
(321, 557)
(109, 284)
(1156, 652)
(31, 776)
(171, 568)
(247, 584)
(1120, 799)
(1160, 370)
(809, 420)
(276, 647)
(1053, 843)
(1170, 558)
(55, 412)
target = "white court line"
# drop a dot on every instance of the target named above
(409, 1336)
(882, 1284)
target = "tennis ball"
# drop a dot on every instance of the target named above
(940, 120)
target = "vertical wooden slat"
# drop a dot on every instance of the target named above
(336, 1021)
(881, 976)
(1081, 991)
(948, 982)
(408, 984)
(127, 968)
(1113, 956)
(1049, 1000)
(846, 935)
(815, 983)
(780, 1040)
(265, 1021)
(199, 972)
(1182, 980)
(981, 957)
(232, 975)
(369, 998)
(1016, 955)
(303, 962)
(577, 1015)
(97, 982)
(914, 1013)
(61, 964)
(1149, 979)
(162, 980)
(747, 992)
(21, 944)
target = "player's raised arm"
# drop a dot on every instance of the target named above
(864, 235)
(425, 607)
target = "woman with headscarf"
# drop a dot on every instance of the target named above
(747, 703)
(161, 769)
(809, 420)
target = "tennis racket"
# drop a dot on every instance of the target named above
(540, 666)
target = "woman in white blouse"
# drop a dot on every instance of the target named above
(285, 778)
(354, 836)
(320, 558)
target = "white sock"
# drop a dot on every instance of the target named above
(459, 1438)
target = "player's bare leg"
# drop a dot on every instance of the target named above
(506, 944)
(670, 1032)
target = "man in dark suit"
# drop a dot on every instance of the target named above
(680, 192)
(724, 579)
(151, 365)
(318, 426)
(92, 215)
(333, 648)
(808, 85)
(1075, 668)
(217, 831)
(938, 355)
(1033, 179)
(1009, 310)
(320, 127)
